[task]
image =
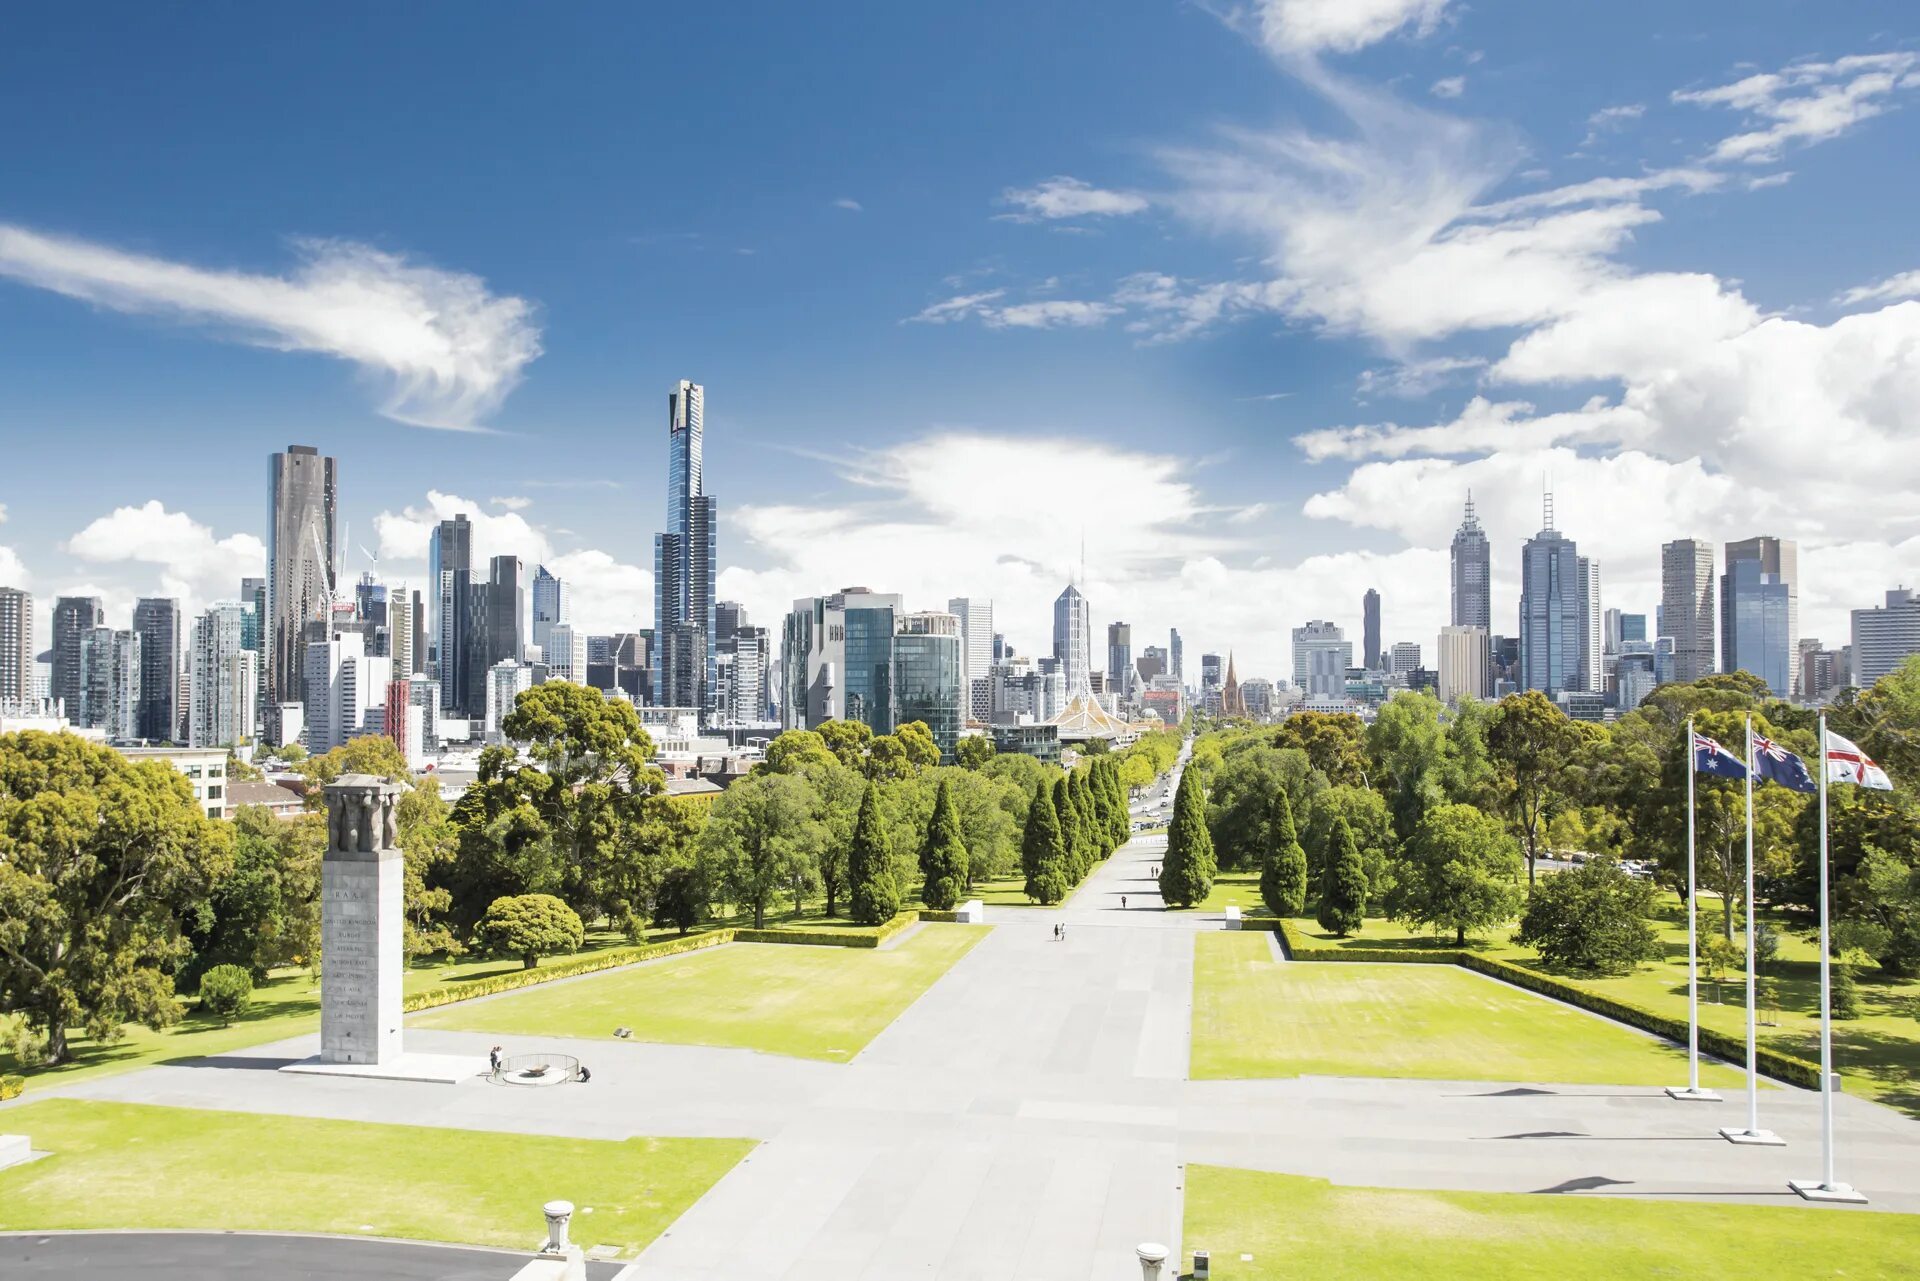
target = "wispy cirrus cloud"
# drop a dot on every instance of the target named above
(1806, 102)
(446, 348)
(1892, 289)
(1045, 313)
(1065, 197)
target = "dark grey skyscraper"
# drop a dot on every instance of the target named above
(1760, 612)
(1119, 659)
(450, 569)
(157, 621)
(302, 492)
(1176, 657)
(73, 618)
(683, 563)
(1552, 610)
(549, 605)
(508, 610)
(1472, 577)
(1370, 629)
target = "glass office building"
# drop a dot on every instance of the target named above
(926, 677)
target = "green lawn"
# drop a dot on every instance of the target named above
(812, 1002)
(1009, 891)
(120, 1165)
(1235, 889)
(1255, 1017)
(1879, 1052)
(1300, 1227)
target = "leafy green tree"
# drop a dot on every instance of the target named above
(1843, 994)
(680, 899)
(762, 838)
(1071, 835)
(1335, 742)
(226, 992)
(1532, 743)
(264, 911)
(1364, 811)
(1240, 809)
(1283, 869)
(945, 859)
(887, 759)
(1460, 872)
(973, 751)
(1591, 918)
(796, 750)
(875, 896)
(1343, 886)
(530, 926)
(1408, 746)
(837, 793)
(1186, 873)
(848, 740)
(1119, 824)
(374, 754)
(986, 808)
(100, 859)
(1043, 851)
(916, 740)
(1086, 850)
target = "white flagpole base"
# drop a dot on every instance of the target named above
(1687, 1095)
(1756, 1138)
(1815, 1190)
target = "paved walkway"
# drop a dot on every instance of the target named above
(1029, 1117)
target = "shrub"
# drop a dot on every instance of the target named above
(530, 926)
(1844, 994)
(225, 992)
(12, 1087)
(1592, 918)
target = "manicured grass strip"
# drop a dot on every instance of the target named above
(129, 1165)
(816, 1003)
(1254, 1017)
(1299, 1227)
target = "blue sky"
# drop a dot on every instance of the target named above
(1247, 294)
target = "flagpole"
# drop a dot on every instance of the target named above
(1692, 1091)
(1828, 1188)
(1753, 1133)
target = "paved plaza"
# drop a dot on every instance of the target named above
(1029, 1116)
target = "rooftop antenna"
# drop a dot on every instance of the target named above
(1546, 501)
(1083, 553)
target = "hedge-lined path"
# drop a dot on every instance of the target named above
(1030, 1116)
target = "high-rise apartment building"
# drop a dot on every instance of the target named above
(454, 596)
(1465, 664)
(1552, 610)
(1120, 659)
(74, 618)
(1592, 629)
(344, 684)
(684, 556)
(1370, 630)
(1321, 656)
(157, 620)
(1404, 657)
(16, 645)
(549, 605)
(1687, 612)
(926, 676)
(302, 495)
(223, 703)
(977, 655)
(1176, 655)
(565, 653)
(1073, 639)
(746, 662)
(1472, 574)
(1211, 671)
(110, 671)
(1775, 582)
(1886, 637)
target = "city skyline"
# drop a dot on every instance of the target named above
(1573, 191)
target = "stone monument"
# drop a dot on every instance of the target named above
(362, 902)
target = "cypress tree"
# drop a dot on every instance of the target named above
(1071, 842)
(1283, 869)
(1118, 828)
(1186, 873)
(1843, 992)
(1042, 853)
(1081, 791)
(1103, 842)
(1343, 885)
(944, 856)
(873, 898)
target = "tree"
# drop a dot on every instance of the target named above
(973, 751)
(1283, 868)
(680, 898)
(530, 926)
(848, 740)
(873, 898)
(1408, 746)
(945, 858)
(1333, 741)
(1532, 743)
(1071, 839)
(989, 812)
(226, 991)
(366, 754)
(796, 750)
(264, 911)
(761, 838)
(1240, 809)
(1086, 847)
(1120, 827)
(100, 859)
(916, 740)
(1459, 872)
(1343, 886)
(1592, 918)
(837, 792)
(1186, 873)
(1364, 812)
(1843, 1000)
(1043, 851)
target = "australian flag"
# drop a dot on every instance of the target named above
(1711, 758)
(1776, 764)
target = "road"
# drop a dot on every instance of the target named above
(198, 1256)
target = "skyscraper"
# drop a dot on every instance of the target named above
(157, 620)
(1884, 638)
(74, 617)
(1551, 611)
(683, 563)
(926, 676)
(1321, 656)
(1119, 659)
(1072, 640)
(1176, 657)
(1472, 574)
(549, 604)
(507, 610)
(110, 683)
(1686, 606)
(1211, 671)
(302, 492)
(1370, 630)
(1592, 629)
(16, 645)
(450, 566)
(976, 654)
(836, 660)
(1777, 576)
(224, 678)
(1464, 664)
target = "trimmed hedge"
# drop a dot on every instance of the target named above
(1782, 1067)
(945, 918)
(855, 937)
(611, 959)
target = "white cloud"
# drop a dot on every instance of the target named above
(1065, 197)
(1893, 288)
(192, 563)
(1448, 87)
(1609, 120)
(512, 502)
(1050, 313)
(849, 204)
(1412, 378)
(13, 570)
(1630, 328)
(1600, 190)
(604, 595)
(1293, 27)
(1805, 102)
(405, 534)
(958, 307)
(1483, 426)
(447, 350)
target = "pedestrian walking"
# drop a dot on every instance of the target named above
(493, 1060)
(1123, 902)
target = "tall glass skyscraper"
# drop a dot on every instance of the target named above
(1370, 630)
(1073, 640)
(926, 677)
(1686, 606)
(1472, 582)
(1777, 575)
(1553, 609)
(459, 670)
(684, 556)
(302, 490)
(549, 605)
(157, 620)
